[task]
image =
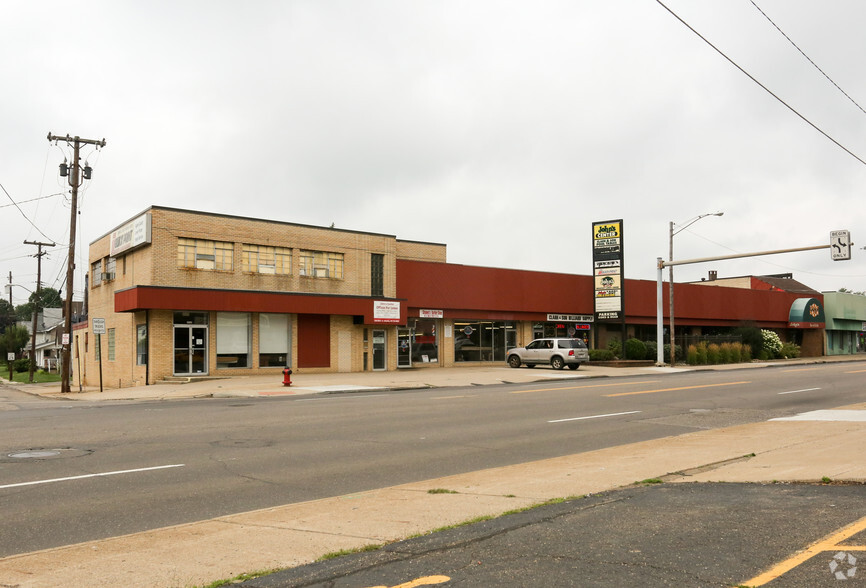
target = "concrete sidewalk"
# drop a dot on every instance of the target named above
(290, 535)
(404, 379)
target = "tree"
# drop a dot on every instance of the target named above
(14, 340)
(7, 315)
(46, 298)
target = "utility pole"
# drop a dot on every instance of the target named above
(36, 300)
(74, 182)
(10, 288)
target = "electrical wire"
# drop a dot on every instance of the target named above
(829, 79)
(33, 199)
(24, 215)
(765, 88)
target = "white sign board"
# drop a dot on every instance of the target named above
(386, 311)
(98, 326)
(64, 339)
(840, 245)
(131, 235)
(10, 356)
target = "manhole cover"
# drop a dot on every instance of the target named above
(34, 454)
(46, 453)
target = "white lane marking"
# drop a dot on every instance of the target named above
(178, 465)
(803, 390)
(595, 416)
(850, 416)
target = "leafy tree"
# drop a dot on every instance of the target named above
(46, 298)
(7, 315)
(14, 340)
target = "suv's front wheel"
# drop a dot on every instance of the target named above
(557, 363)
(514, 361)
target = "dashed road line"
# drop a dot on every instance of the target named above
(674, 389)
(101, 475)
(595, 416)
(798, 391)
(582, 387)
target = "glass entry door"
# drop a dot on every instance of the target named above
(190, 350)
(404, 348)
(379, 351)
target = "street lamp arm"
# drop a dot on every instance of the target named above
(694, 220)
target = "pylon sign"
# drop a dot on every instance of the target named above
(840, 245)
(607, 267)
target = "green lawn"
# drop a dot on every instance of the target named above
(39, 377)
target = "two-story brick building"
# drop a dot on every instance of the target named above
(186, 293)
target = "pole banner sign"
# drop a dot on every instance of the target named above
(607, 269)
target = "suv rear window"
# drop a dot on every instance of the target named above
(571, 343)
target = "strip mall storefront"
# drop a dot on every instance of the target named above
(186, 293)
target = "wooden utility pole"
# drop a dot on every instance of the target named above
(36, 301)
(74, 182)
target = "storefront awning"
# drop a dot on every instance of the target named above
(806, 313)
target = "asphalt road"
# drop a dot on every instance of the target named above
(660, 535)
(117, 468)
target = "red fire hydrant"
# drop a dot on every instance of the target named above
(287, 377)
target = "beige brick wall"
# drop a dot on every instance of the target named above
(156, 264)
(356, 247)
(419, 251)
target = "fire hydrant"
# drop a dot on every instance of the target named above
(287, 377)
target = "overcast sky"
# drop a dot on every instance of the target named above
(502, 129)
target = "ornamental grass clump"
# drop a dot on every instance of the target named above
(725, 353)
(713, 354)
(692, 355)
(736, 352)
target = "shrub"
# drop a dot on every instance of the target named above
(678, 351)
(21, 365)
(615, 347)
(750, 335)
(772, 343)
(652, 349)
(692, 356)
(713, 354)
(600, 355)
(789, 350)
(635, 349)
(747, 353)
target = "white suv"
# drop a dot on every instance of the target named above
(558, 352)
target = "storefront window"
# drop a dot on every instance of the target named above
(561, 329)
(425, 346)
(233, 339)
(483, 340)
(273, 340)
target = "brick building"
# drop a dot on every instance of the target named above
(183, 293)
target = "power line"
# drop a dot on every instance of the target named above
(22, 213)
(765, 88)
(807, 57)
(31, 199)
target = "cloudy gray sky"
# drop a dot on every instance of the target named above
(503, 129)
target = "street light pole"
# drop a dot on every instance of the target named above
(671, 276)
